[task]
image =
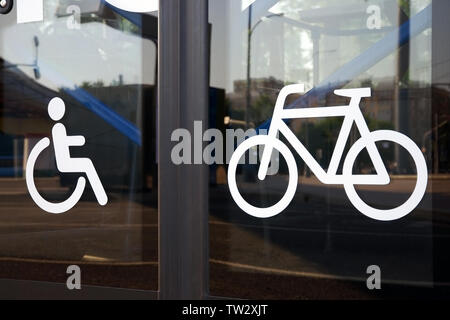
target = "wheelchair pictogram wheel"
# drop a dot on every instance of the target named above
(55, 208)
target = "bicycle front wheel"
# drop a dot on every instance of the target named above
(419, 189)
(292, 185)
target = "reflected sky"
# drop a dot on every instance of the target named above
(72, 57)
(286, 48)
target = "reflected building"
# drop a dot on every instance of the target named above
(23, 119)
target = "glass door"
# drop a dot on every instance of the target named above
(306, 228)
(91, 69)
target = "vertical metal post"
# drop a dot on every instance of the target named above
(315, 35)
(249, 68)
(401, 91)
(183, 190)
(440, 97)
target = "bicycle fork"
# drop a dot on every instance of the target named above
(273, 130)
(268, 149)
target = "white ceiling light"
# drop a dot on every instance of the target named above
(276, 9)
(246, 4)
(30, 11)
(135, 5)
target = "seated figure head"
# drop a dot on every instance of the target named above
(56, 109)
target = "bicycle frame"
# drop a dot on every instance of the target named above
(351, 113)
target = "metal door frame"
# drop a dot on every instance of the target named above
(183, 82)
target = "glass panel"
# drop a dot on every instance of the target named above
(325, 240)
(102, 63)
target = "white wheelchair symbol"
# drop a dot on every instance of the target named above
(64, 163)
(352, 114)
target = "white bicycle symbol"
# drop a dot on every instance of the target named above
(352, 114)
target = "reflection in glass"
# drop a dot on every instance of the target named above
(321, 246)
(103, 65)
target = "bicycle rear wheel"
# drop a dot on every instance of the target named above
(420, 187)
